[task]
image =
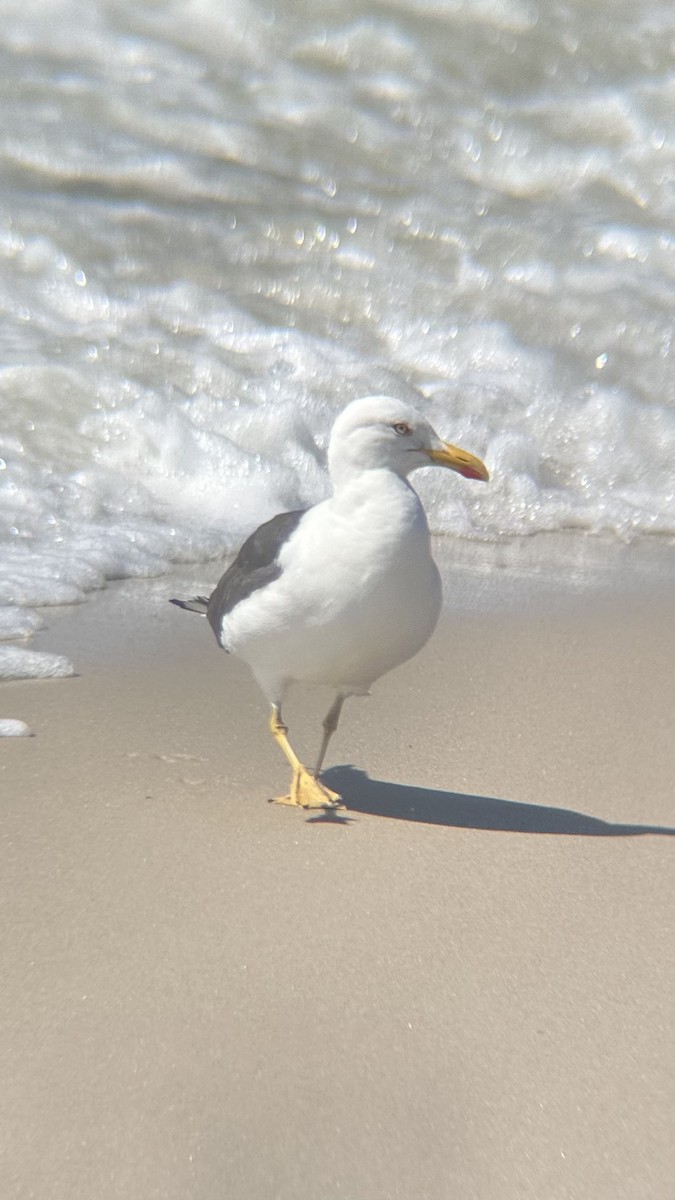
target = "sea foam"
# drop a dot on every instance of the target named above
(17, 663)
(237, 224)
(10, 727)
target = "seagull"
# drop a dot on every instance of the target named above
(340, 593)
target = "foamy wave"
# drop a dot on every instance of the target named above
(18, 623)
(17, 663)
(9, 727)
(231, 225)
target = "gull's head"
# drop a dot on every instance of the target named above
(379, 432)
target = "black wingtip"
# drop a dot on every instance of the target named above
(198, 604)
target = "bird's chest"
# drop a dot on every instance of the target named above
(376, 565)
(358, 594)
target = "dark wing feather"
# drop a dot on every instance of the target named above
(256, 565)
(198, 604)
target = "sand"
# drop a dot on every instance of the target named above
(462, 990)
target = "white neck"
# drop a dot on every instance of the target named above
(379, 497)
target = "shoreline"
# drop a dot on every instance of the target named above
(463, 986)
(478, 577)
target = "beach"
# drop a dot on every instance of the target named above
(219, 225)
(461, 988)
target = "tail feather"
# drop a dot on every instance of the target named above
(198, 604)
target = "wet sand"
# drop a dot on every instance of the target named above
(460, 990)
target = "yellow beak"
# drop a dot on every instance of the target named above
(460, 460)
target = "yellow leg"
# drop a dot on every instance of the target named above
(306, 791)
(329, 726)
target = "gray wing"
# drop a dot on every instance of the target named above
(256, 565)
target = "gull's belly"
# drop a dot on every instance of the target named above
(365, 639)
(345, 634)
(358, 594)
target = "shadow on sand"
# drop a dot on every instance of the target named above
(403, 802)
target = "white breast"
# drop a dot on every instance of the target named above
(358, 595)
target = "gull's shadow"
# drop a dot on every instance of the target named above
(430, 806)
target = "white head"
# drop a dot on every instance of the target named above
(378, 433)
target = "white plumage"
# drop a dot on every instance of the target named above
(344, 592)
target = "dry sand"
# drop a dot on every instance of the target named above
(463, 990)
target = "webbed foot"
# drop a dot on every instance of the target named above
(308, 792)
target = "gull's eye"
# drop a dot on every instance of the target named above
(401, 429)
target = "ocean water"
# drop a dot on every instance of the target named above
(221, 222)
